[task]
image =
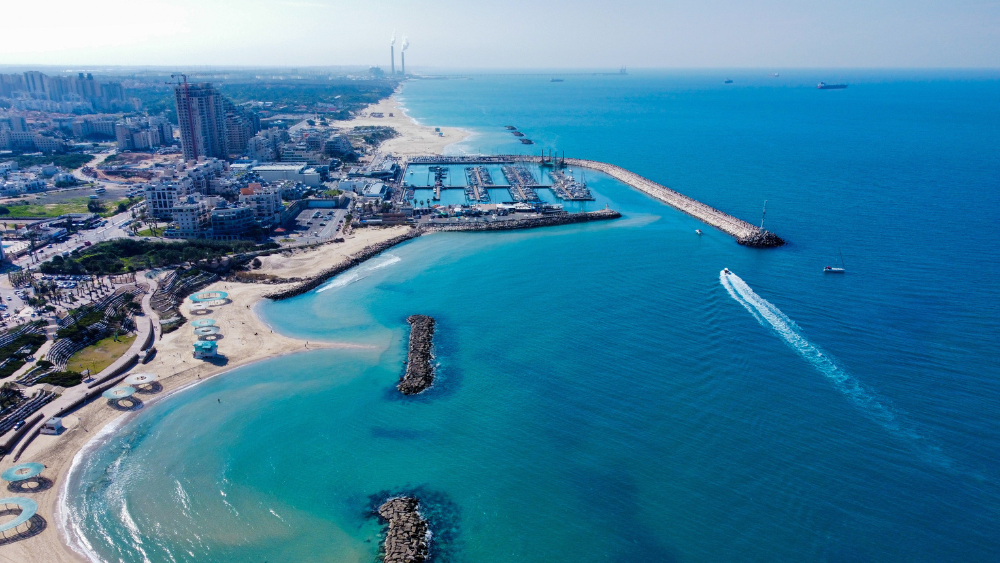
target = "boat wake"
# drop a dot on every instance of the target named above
(866, 400)
(360, 273)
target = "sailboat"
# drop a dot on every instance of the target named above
(834, 269)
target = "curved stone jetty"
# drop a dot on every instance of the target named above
(408, 537)
(745, 233)
(419, 370)
(366, 253)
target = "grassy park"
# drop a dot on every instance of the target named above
(100, 355)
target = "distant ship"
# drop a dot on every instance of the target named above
(825, 86)
(527, 141)
(729, 81)
(556, 80)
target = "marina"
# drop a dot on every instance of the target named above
(556, 174)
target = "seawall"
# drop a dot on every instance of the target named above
(544, 221)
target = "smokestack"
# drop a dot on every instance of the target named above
(402, 53)
(392, 52)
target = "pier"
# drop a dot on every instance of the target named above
(566, 187)
(521, 183)
(479, 180)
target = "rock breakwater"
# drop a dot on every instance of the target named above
(530, 223)
(761, 239)
(366, 253)
(407, 539)
(744, 233)
(419, 370)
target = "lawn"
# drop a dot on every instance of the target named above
(75, 205)
(100, 355)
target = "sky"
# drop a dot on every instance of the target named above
(506, 33)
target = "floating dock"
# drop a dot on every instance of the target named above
(479, 180)
(566, 187)
(521, 182)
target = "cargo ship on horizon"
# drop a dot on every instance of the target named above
(825, 86)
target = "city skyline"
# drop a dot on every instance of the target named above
(640, 34)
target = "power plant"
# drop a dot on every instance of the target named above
(402, 54)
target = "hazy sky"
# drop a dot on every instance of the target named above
(512, 33)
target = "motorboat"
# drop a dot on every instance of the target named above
(698, 231)
(726, 271)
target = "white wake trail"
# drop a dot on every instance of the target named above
(360, 272)
(868, 401)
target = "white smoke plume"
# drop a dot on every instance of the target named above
(393, 40)
(406, 43)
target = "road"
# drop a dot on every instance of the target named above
(110, 231)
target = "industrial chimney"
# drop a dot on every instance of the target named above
(392, 53)
(402, 53)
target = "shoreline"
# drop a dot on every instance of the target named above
(63, 454)
(90, 425)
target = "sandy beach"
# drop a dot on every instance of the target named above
(413, 139)
(246, 339)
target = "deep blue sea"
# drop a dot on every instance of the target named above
(604, 393)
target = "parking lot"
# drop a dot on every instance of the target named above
(316, 225)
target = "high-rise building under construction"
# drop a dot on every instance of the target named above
(202, 118)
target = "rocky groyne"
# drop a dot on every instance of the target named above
(408, 538)
(419, 369)
(530, 223)
(366, 253)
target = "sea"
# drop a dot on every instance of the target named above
(605, 392)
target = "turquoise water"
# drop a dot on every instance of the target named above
(605, 394)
